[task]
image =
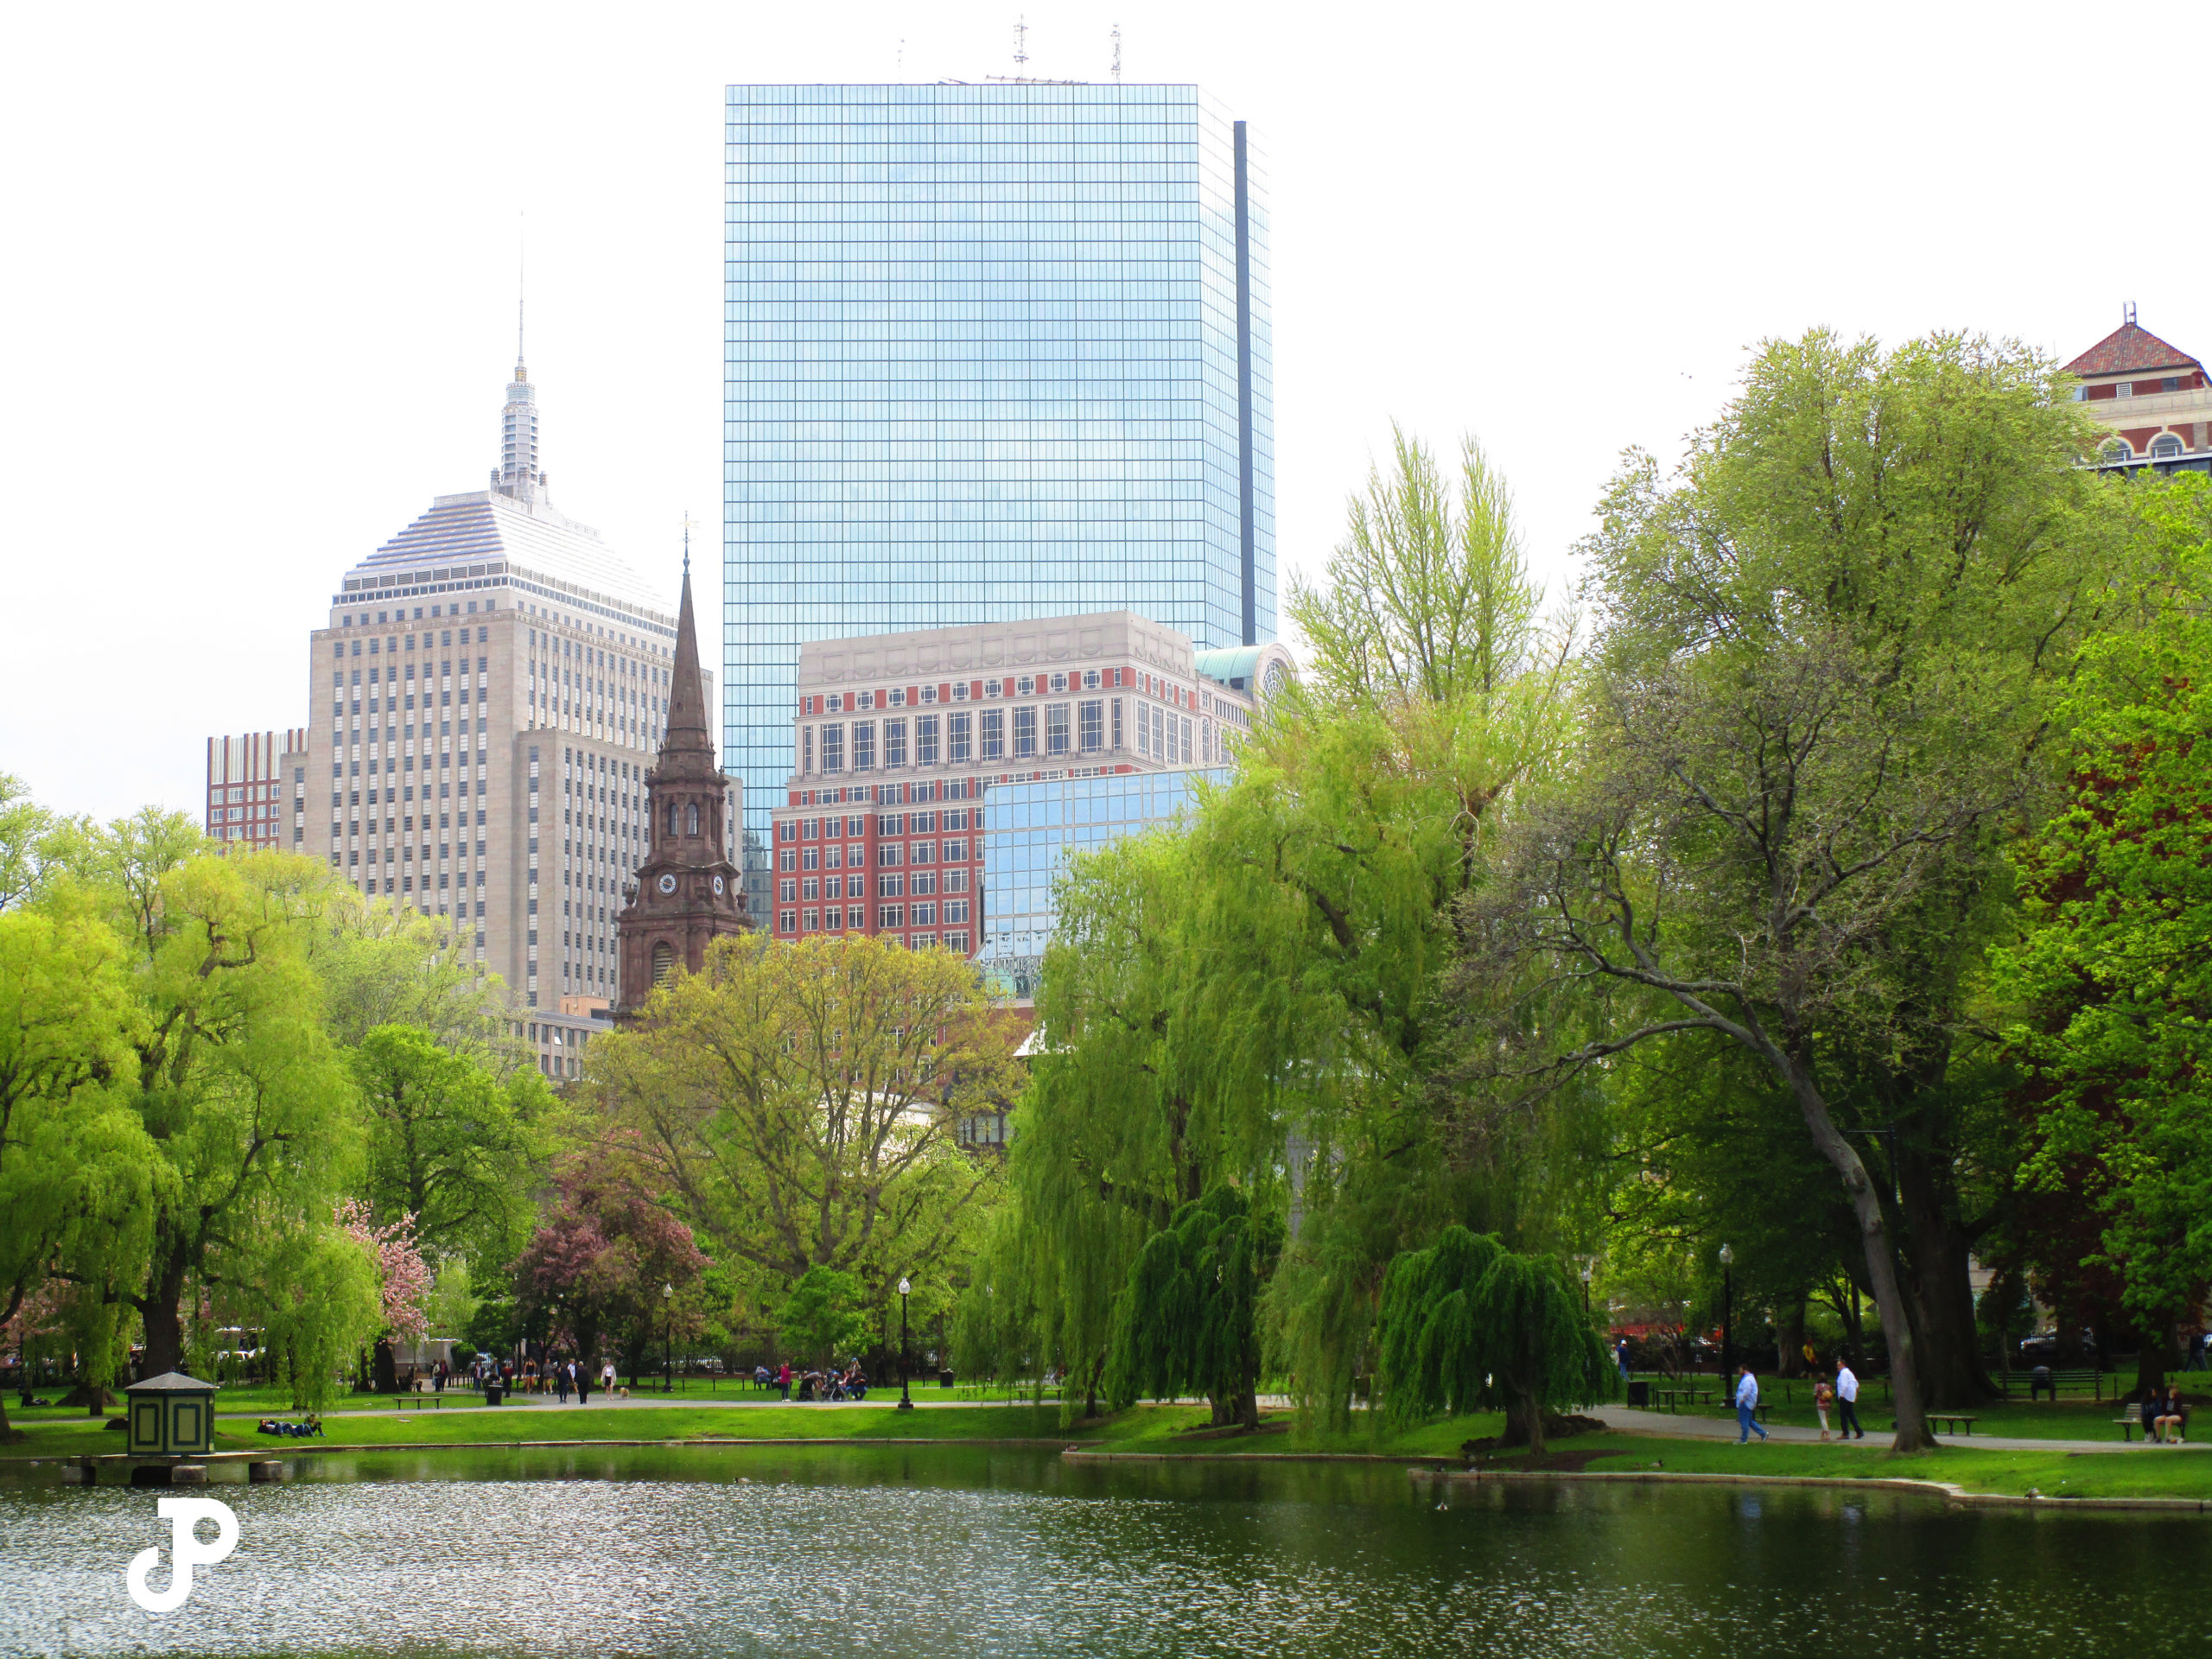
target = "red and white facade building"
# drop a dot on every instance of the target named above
(897, 737)
(2154, 396)
(256, 788)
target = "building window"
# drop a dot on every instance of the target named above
(2115, 451)
(956, 943)
(956, 910)
(1118, 722)
(806, 750)
(993, 734)
(890, 916)
(894, 742)
(1060, 683)
(691, 819)
(1091, 725)
(664, 963)
(863, 746)
(1025, 734)
(1056, 726)
(2165, 447)
(925, 741)
(890, 887)
(833, 748)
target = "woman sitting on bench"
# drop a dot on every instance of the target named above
(2173, 1418)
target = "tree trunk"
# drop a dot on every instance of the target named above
(2154, 1357)
(1789, 1339)
(1938, 1286)
(1524, 1419)
(159, 1311)
(1881, 1268)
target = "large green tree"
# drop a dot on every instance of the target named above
(76, 1173)
(1253, 997)
(2111, 979)
(1828, 654)
(252, 1123)
(451, 1143)
(801, 1105)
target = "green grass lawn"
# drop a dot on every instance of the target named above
(459, 1425)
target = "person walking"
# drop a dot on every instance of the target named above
(583, 1383)
(1747, 1405)
(560, 1381)
(1823, 1397)
(783, 1380)
(607, 1378)
(1846, 1401)
(1620, 1357)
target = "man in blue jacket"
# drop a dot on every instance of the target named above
(1747, 1405)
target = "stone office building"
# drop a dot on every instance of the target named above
(485, 703)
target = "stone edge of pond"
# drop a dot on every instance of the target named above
(1951, 1493)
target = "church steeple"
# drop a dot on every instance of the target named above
(687, 733)
(689, 892)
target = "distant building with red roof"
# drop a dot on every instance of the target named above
(2153, 395)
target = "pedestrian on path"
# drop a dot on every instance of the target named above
(561, 1381)
(583, 1383)
(1823, 1397)
(1846, 1401)
(1620, 1357)
(1747, 1405)
(607, 1377)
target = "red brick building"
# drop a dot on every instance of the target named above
(897, 736)
(2153, 395)
(257, 784)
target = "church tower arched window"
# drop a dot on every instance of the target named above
(691, 819)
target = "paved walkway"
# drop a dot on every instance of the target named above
(1680, 1426)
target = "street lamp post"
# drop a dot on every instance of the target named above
(668, 1345)
(1727, 1311)
(905, 1399)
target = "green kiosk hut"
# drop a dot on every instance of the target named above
(171, 1416)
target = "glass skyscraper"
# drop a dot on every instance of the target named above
(1032, 829)
(992, 353)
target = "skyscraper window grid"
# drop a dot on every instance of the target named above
(986, 358)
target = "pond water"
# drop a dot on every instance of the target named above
(973, 1553)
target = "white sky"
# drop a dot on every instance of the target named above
(257, 299)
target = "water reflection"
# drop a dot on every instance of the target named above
(837, 1552)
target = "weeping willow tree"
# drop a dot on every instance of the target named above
(1252, 998)
(1188, 1324)
(1469, 1325)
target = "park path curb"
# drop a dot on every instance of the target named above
(1951, 1494)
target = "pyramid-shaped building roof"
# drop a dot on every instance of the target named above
(2130, 349)
(461, 535)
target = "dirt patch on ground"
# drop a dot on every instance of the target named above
(1233, 1430)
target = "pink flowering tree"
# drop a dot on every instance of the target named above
(595, 1266)
(404, 1276)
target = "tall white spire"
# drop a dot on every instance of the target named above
(518, 475)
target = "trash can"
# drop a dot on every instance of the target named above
(1639, 1394)
(944, 1379)
(492, 1393)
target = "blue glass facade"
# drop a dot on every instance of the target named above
(992, 353)
(1030, 830)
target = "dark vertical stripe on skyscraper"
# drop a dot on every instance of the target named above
(1244, 397)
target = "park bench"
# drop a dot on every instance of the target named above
(1950, 1417)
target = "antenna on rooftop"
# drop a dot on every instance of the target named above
(1118, 54)
(689, 524)
(2127, 314)
(902, 55)
(1020, 41)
